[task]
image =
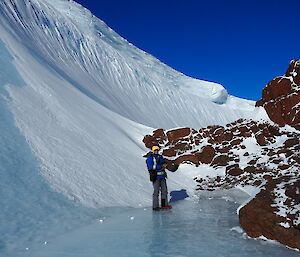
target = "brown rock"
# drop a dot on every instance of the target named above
(244, 131)
(292, 191)
(252, 162)
(236, 142)
(250, 169)
(275, 111)
(169, 152)
(159, 133)
(297, 159)
(157, 138)
(284, 166)
(274, 130)
(261, 140)
(257, 183)
(227, 136)
(232, 166)
(206, 155)
(234, 170)
(271, 153)
(278, 87)
(176, 134)
(224, 149)
(281, 97)
(276, 161)
(285, 151)
(182, 146)
(291, 142)
(150, 141)
(218, 135)
(258, 218)
(221, 160)
(187, 159)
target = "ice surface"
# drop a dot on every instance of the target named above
(206, 227)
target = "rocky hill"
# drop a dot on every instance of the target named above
(261, 155)
(281, 97)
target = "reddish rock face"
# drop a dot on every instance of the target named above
(259, 218)
(281, 97)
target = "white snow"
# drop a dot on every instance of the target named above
(252, 191)
(88, 100)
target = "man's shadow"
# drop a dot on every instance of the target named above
(178, 195)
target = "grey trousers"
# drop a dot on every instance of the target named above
(160, 185)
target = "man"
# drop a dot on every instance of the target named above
(155, 165)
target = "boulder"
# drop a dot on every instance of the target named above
(206, 155)
(176, 134)
(291, 142)
(188, 158)
(261, 140)
(169, 152)
(221, 160)
(149, 141)
(234, 170)
(259, 218)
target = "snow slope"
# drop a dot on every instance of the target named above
(83, 98)
(76, 100)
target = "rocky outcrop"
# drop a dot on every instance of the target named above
(281, 97)
(260, 217)
(245, 153)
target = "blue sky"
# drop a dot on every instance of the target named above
(240, 44)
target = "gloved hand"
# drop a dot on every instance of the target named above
(174, 167)
(153, 175)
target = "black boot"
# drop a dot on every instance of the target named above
(165, 205)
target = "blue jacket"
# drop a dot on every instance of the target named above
(155, 163)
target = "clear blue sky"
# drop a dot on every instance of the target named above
(241, 44)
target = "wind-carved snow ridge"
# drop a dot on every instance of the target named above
(119, 76)
(89, 97)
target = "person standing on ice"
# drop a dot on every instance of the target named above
(155, 164)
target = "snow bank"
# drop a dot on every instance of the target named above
(86, 93)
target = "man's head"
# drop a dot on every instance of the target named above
(155, 149)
